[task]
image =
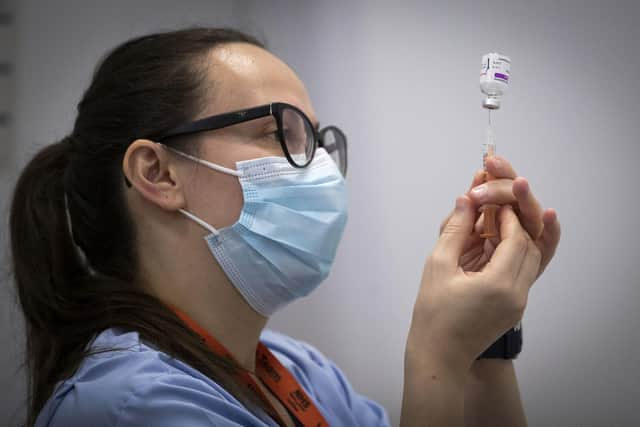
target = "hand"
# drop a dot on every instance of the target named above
(458, 312)
(507, 188)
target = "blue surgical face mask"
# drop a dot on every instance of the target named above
(285, 241)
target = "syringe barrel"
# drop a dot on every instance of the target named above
(489, 150)
(488, 147)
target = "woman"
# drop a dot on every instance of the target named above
(194, 197)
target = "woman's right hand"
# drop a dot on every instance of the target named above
(472, 291)
(458, 313)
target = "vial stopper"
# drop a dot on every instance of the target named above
(491, 103)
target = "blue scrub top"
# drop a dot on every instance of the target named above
(141, 386)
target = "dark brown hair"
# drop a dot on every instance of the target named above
(75, 274)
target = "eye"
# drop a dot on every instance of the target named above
(274, 134)
(271, 134)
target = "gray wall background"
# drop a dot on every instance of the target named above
(401, 78)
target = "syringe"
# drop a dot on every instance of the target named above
(495, 73)
(489, 150)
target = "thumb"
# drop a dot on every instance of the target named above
(508, 256)
(456, 232)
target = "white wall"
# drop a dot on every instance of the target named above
(401, 79)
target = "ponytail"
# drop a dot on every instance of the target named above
(44, 258)
(45, 265)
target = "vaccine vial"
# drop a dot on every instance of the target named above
(494, 78)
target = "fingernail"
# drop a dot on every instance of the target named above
(480, 192)
(497, 163)
(461, 204)
(520, 188)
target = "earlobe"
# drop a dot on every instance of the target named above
(149, 169)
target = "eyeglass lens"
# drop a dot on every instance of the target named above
(334, 143)
(298, 136)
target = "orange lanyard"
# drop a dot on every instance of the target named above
(275, 376)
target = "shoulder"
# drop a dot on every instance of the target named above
(130, 383)
(325, 382)
(291, 350)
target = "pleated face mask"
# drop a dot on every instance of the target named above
(284, 243)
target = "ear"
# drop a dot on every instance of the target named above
(152, 173)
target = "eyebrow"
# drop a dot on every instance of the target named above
(267, 122)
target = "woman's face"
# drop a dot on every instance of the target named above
(242, 76)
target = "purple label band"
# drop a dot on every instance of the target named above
(502, 76)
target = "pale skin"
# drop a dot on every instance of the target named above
(471, 293)
(177, 267)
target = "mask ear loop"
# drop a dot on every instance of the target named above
(199, 222)
(204, 162)
(79, 251)
(210, 165)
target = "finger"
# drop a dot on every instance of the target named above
(479, 225)
(473, 241)
(499, 167)
(530, 268)
(486, 252)
(478, 178)
(445, 221)
(550, 238)
(489, 246)
(497, 191)
(454, 236)
(482, 254)
(509, 254)
(471, 255)
(530, 209)
(478, 263)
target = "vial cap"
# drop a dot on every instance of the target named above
(491, 103)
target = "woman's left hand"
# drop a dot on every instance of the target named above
(508, 188)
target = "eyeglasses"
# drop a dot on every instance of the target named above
(298, 137)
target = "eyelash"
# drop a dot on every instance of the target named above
(275, 135)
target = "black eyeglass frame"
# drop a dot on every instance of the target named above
(274, 109)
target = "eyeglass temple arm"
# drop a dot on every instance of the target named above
(220, 121)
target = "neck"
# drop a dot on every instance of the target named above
(237, 328)
(196, 285)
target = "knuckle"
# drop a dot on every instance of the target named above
(510, 300)
(535, 252)
(453, 227)
(520, 242)
(437, 259)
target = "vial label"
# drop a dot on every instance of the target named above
(495, 66)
